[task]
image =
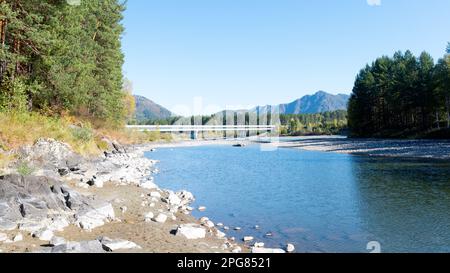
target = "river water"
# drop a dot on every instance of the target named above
(320, 202)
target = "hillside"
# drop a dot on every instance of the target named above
(318, 103)
(148, 110)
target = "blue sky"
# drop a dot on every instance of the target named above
(215, 54)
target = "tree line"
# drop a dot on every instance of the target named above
(59, 56)
(327, 123)
(401, 96)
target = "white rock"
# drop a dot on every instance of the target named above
(155, 194)
(261, 250)
(148, 185)
(123, 209)
(191, 231)
(56, 241)
(202, 208)
(257, 227)
(18, 237)
(248, 238)
(258, 244)
(290, 248)
(149, 216)
(44, 235)
(152, 205)
(209, 224)
(95, 217)
(237, 228)
(59, 224)
(3, 237)
(237, 249)
(113, 245)
(220, 234)
(82, 185)
(161, 218)
(226, 228)
(219, 224)
(204, 219)
(173, 199)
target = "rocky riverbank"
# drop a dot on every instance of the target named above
(423, 149)
(55, 201)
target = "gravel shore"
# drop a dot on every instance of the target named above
(426, 149)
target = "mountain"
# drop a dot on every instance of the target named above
(318, 103)
(149, 110)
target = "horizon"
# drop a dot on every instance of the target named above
(201, 56)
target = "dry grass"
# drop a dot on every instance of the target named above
(18, 129)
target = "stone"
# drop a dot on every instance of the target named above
(59, 224)
(220, 234)
(3, 237)
(123, 209)
(173, 199)
(95, 216)
(219, 224)
(258, 244)
(290, 248)
(248, 238)
(155, 194)
(201, 208)
(93, 246)
(148, 185)
(18, 237)
(113, 245)
(191, 231)
(44, 235)
(209, 224)
(226, 228)
(56, 241)
(261, 250)
(237, 249)
(237, 228)
(161, 218)
(149, 216)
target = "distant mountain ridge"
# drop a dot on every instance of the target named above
(311, 104)
(149, 110)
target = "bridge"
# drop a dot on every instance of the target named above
(195, 129)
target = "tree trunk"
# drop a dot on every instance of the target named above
(447, 104)
(437, 119)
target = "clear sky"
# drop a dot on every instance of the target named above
(242, 53)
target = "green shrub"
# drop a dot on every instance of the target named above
(24, 169)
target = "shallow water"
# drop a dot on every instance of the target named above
(321, 202)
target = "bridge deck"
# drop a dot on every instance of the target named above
(201, 128)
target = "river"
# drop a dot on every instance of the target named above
(320, 202)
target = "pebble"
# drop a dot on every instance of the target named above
(201, 208)
(18, 237)
(149, 216)
(290, 248)
(248, 238)
(123, 209)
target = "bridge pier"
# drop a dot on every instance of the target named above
(194, 135)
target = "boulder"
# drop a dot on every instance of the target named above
(191, 231)
(173, 199)
(113, 245)
(79, 247)
(161, 218)
(44, 235)
(49, 154)
(56, 241)
(96, 216)
(31, 199)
